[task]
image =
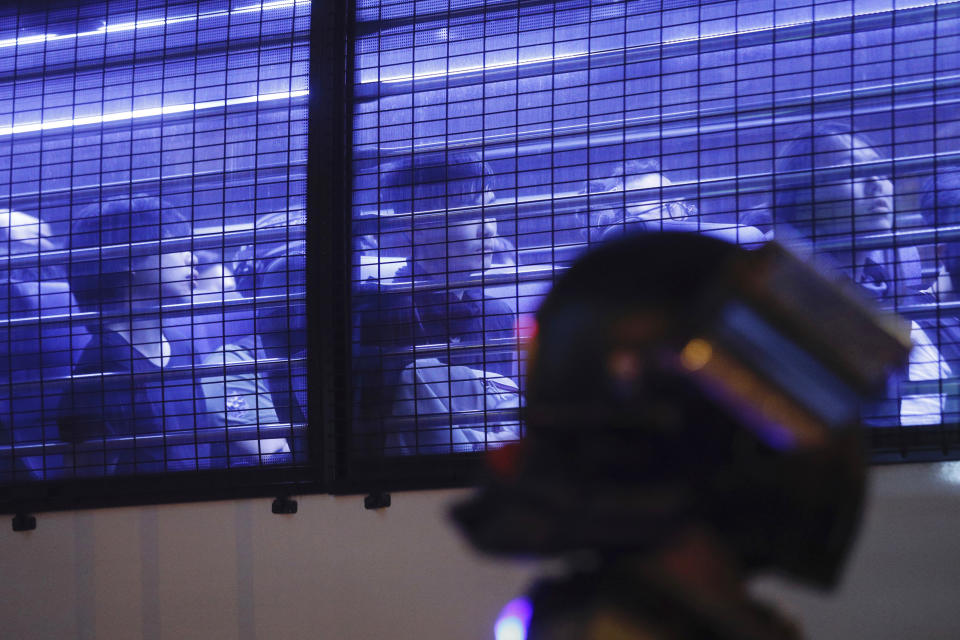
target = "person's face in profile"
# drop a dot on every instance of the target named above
(168, 278)
(469, 245)
(466, 245)
(861, 202)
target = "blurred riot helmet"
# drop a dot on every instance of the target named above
(676, 379)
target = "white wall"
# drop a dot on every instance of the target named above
(336, 570)
(903, 581)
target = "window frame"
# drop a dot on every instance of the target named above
(325, 171)
(332, 467)
(884, 445)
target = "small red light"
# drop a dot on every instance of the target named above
(504, 461)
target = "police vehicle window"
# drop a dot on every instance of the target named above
(152, 211)
(495, 141)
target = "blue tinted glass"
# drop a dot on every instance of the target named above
(493, 144)
(152, 211)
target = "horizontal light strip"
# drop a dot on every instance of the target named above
(147, 24)
(738, 119)
(282, 171)
(120, 116)
(725, 34)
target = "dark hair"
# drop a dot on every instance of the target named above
(248, 259)
(436, 180)
(102, 280)
(796, 166)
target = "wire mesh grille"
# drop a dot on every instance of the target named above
(494, 142)
(152, 212)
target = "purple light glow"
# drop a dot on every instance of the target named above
(514, 620)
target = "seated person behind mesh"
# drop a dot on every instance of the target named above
(282, 328)
(146, 386)
(31, 352)
(449, 245)
(644, 202)
(940, 203)
(831, 185)
(245, 399)
(210, 324)
(216, 279)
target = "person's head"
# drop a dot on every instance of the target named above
(606, 177)
(940, 204)
(249, 258)
(644, 419)
(444, 193)
(131, 271)
(830, 181)
(646, 197)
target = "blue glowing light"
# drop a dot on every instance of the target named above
(514, 620)
(149, 112)
(146, 24)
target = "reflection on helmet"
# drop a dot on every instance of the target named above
(675, 379)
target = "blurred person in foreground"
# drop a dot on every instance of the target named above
(692, 421)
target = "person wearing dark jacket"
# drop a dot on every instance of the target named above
(133, 404)
(436, 305)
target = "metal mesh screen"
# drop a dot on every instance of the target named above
(152, 211)
(494, 142)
